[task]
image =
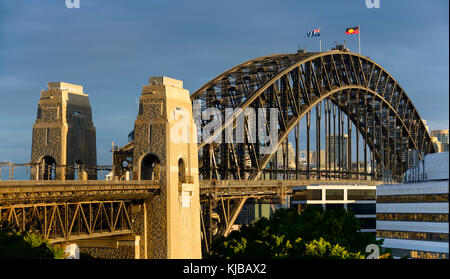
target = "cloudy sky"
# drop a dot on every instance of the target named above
(113, 47)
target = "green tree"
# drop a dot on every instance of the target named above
(278, 247)
(314, 233)
(322, 249)
(26, 245)
(338, 226)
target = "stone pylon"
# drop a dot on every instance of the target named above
(165, 149)
(64, 139)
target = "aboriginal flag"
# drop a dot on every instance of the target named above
(352, 30)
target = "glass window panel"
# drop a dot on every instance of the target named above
(300, 195)
(413, 198)
(334, 194)
(368, 223)
(315, 195)
(361, 194)
(333, 206)
(413, 235)
(362, 208)
(415, 217)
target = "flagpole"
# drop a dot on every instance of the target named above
(359, 39)
(320, 42)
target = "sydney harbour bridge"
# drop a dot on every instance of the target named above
(346, 118)
(354, 92)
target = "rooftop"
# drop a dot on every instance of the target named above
(162, 80)
(65, 86)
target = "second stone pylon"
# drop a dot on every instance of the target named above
(165, 149)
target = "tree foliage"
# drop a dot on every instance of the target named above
(314, 233)
(26, 245)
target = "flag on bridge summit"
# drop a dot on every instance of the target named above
(352, 30)
(313, 33)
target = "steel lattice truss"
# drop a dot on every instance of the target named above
(346, 84)
(61, 222)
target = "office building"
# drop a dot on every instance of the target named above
(290, 158)
(358, 198)
(441, 137)
(252, 212)
(412, 217)
(338, 146)
(313, 162)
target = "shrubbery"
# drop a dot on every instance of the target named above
(314, 233)
(27, 245)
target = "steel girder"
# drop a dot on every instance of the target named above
(27, 192)
(62, 222)
(359, 88)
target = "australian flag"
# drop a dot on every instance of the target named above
(313, 33)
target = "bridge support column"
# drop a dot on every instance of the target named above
(165, 149)
(63, 133)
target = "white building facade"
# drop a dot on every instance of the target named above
(412, 217)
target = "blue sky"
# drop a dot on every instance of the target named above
(113, 47)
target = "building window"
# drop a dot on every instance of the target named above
(361, 194)
(413, 198)
(367, 223)
(300, 195)
(331, 206)
(441, 237)
(428, 255)
(181, 171)
(335, 195)
(308, 195)
(362, 208)
(315, 195)
(414, 217)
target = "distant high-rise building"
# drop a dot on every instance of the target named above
(290, 157)
(425, 124)
(338, 150)
(313, 158)
(442, 138)
(436, 143)
(361, 166)
(252, 212)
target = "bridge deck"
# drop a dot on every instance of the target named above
(255, 188)
(70, 210)
(14, 192)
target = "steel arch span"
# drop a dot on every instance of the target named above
(344, 89)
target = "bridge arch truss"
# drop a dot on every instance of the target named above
(346, 87)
